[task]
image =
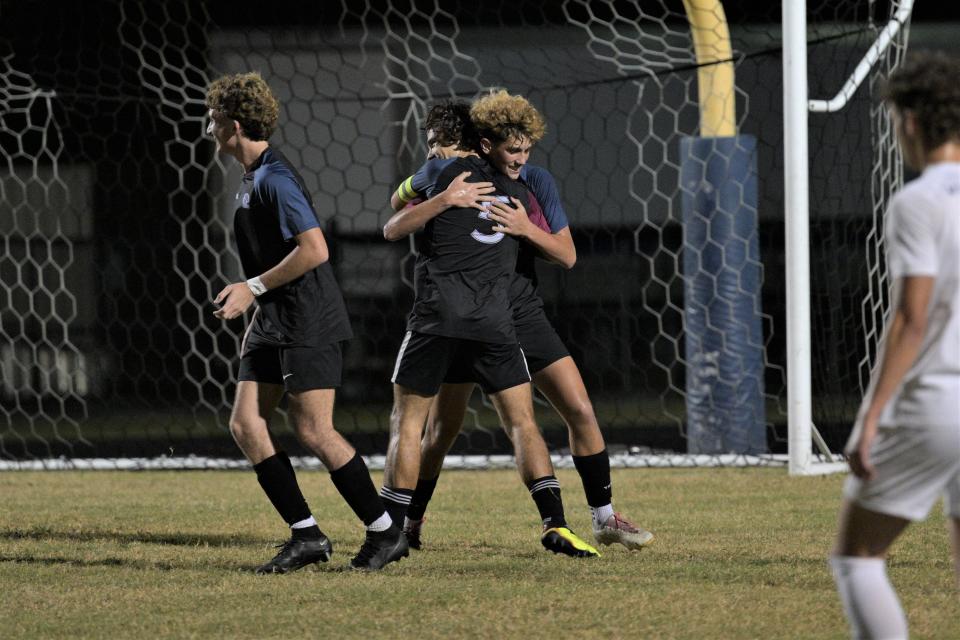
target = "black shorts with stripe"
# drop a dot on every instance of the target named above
(296, 368)
(425, 360)
(538, 339)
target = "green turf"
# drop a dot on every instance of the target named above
(739, 554)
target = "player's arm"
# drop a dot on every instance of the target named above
(556, 247)
(459, 193)
(297, 221)
(904, 337)
(311, 251)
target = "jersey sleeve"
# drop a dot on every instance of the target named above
(544, 189)
(420, 184)
(911, 240)
(294, 212)
(535, 213)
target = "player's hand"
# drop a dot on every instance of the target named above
(234, 299)
(466, 195)
(512, 221)
(859, 457)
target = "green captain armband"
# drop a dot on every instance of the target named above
(406, 192)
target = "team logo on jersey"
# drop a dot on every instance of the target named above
(488, 238)
(245, 201)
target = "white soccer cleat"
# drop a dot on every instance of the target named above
(618, 529)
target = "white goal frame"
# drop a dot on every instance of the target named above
(796, 107)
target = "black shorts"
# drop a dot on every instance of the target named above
(539, 341)
(296, 368)
(424, 361)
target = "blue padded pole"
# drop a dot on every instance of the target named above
(722, 306)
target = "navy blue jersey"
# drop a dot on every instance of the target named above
(273, 207)
(523, 289)
(464, 269)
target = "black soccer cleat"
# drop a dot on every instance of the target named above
(380, 548)
(411, 529)
(297, 553)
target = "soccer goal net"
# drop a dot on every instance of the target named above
(664, 132)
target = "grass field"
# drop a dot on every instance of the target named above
(739, 554)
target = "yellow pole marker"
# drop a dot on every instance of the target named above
(711, 42)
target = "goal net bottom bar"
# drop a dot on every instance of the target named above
(625, 460)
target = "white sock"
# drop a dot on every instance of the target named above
(303, 524)
(380, 524)
(601, 515)
(868, 598)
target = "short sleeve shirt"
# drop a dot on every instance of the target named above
(273, 207)
(923, 239)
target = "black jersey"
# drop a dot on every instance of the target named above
(273, 207)
(464, 269)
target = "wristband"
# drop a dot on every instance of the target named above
(256, 286)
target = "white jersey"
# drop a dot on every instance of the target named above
(923, 239)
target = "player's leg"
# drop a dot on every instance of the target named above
(951, 508)
(502, 372)
(913, 467)
(515, 408)
(402, 465)
(259, 391)
(443, 427)
(859, 569)
(421, 365)
(312, 375)
(556, 375)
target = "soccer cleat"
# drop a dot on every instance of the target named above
(619, 529)
(380, 548)
(297, 553)
(411, 529)
(562, 540)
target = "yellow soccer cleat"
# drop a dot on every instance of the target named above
(562, 540)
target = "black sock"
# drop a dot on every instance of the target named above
(421, 497)
(595, 474)
(279, 482)
(546, 493)
(353, 482)
(306, 533)
(397, 501)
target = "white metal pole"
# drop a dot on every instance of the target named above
(797, 243)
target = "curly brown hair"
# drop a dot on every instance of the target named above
(928, 84)
(500, 116)
(246, 98)
(451, 124)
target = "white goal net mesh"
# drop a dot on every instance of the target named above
(117, 216)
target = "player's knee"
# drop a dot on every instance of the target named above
(314, 431)
(241, 429)
(520, 426)
(579, 413)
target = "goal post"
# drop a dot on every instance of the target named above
(802, 432)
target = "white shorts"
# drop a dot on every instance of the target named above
(914, 467)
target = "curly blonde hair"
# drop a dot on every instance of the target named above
(246, 98)
(500, 116)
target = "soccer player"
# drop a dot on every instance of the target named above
(462, 319)
(904, 451)
(293, 342)
(546, 234)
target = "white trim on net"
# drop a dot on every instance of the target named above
(625, 460)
